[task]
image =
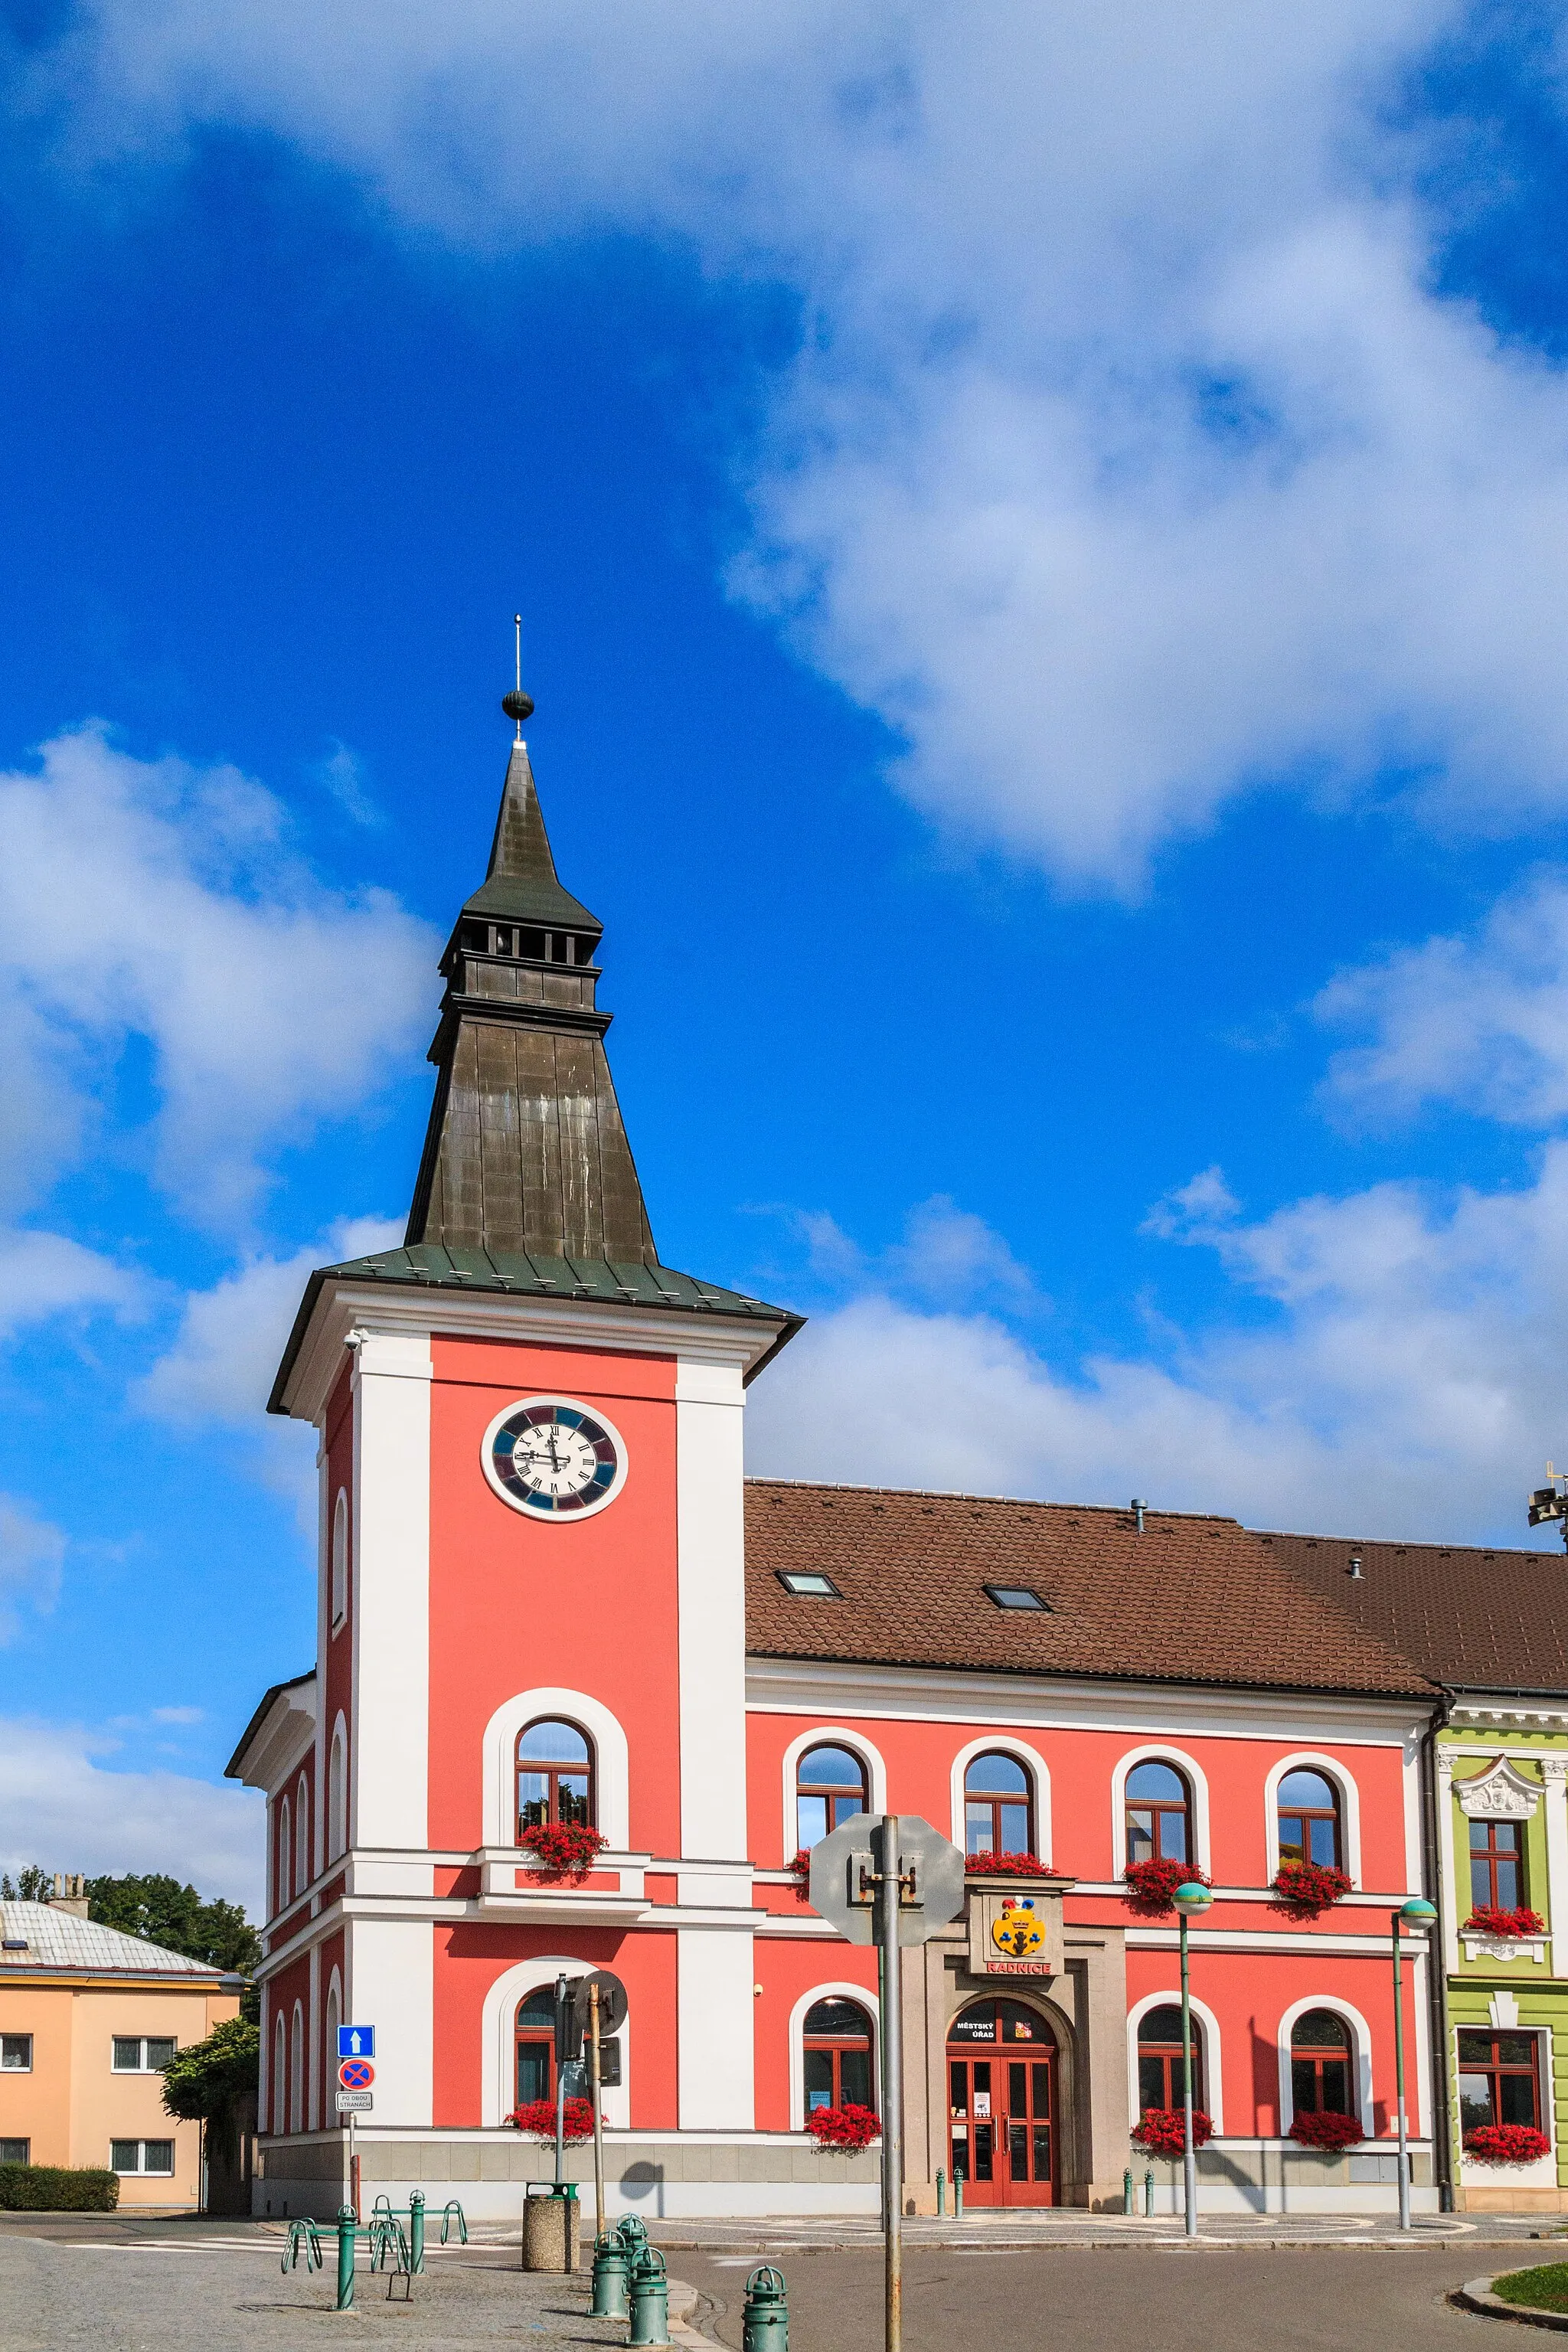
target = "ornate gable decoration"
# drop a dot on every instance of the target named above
(1501, 1794)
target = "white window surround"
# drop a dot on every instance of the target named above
(337, 1791)
(302, 1836)
(279, 2104)
(612, 1763)
(1206, 2035)
(1360, 2060)
(297, 2071)
(499, 2087)
(1034, 1763)
(829, 1735)
(797, 2016)
(1160, 1751)
(284, 1856)
(334, 2018)
(1542, 2173)
(1309, 1760)
(338, 1595)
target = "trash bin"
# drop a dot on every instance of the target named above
(550, 2226)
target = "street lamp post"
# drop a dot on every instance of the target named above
(1417, 1913)
(1192, 1900)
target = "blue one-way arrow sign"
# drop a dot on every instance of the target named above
(356, 2042)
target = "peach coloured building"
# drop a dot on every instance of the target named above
(88, 2019)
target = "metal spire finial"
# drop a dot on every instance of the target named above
(518, 705)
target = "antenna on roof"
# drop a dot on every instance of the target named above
(1353, 1570)
(1138, 1506)
(1550, 1502)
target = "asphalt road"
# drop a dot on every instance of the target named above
(1311, 2299)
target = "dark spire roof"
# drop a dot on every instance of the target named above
(525, 1149)
(520, 881)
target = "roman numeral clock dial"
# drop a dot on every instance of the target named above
(553, 1459)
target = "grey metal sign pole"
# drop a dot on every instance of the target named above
(560, 2080)
(598, 2118)
(889, 1890)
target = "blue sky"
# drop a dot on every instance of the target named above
(1043, 548)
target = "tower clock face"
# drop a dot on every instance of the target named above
(555, 1460)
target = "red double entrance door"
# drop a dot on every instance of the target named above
(1001, 2077)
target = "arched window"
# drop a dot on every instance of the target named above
(536, 2046)
(302, 1835)
(837, 2055)
(1310, 1818)
(283, 1855)
(829, 1787)
(280, 2077)
(1497, 1864)
(337, 1818)
(1320, 2059)
(334, 2018)
(554, 1776)
(1160, 2081)
(297, 2073)
(340, 1582)
(998, 1806)
(1159, 1814)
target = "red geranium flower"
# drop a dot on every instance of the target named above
(1163, 2130)
(1491, 1919)
(538, 2119)
(1151, 1885)
(1506, 2144)
(848, 2126)
(1327, 2131)
(1006, 1866)
(1308, 1887)
(565, 1849)
(800, 1871)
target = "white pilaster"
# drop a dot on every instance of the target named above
(392, 1986)
(389, 1741)
(1449, 1896)
(715, 2028)
(710, 1537)
(313, 2094)
(1554, 1772)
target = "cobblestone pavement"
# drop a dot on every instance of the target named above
(1065, 2227)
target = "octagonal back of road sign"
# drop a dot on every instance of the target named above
(938, 1860)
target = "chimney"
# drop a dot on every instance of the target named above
(70, 1894)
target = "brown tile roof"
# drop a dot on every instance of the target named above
(1191, 1600)
(1475, 1619)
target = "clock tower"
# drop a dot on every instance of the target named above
(531, 1538)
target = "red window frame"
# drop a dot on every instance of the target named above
(585, 1812)
(1165, 2051)
(1489, 1860)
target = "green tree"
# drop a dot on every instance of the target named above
(160, 1911)
(215, 2082)
(34, 1885)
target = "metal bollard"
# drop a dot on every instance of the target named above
(417, 2233)
(649, 2299)
(346, 2226)
(1127, 2204)
(941, 2191)
(632, 2235)
(958, 2196)
(764, 2323)
(1149, 2193)
(611, 2267)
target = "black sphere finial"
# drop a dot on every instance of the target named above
(518, 706)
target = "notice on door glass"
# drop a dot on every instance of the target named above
(982, 2103)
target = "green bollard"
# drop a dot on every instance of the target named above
(649, 2299)
(941, 2191)
(632, 2235)
(1127, 2204)
(764, 2324)
(345, 2257)
(958, 2196)
(416, 2233)
(611, 2267)
(1149, 2195)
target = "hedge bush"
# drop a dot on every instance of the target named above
(57, 2188)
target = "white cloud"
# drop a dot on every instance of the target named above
(32, 1553)
(1391, 1364)
(62, 1808)
(947, 1253)
(270, 1004)
(47, 1274)
(1130, 459)
(1480, 1021)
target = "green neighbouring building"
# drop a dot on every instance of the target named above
(1488, 1629)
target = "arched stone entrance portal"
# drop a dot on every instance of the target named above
(1003, 2098)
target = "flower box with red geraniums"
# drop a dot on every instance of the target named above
(1151, 1885)
(565, 1849)
(538, 2119)
(846, 2128)
(1327, 2132)
(1491, 1920)
(800, 1871)
(1006, 1866)
(1506, 2144)
(1163, 2130)
(1306, 1888)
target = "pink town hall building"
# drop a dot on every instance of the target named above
(549, 1599)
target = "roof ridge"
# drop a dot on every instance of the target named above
(1022, 1502)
